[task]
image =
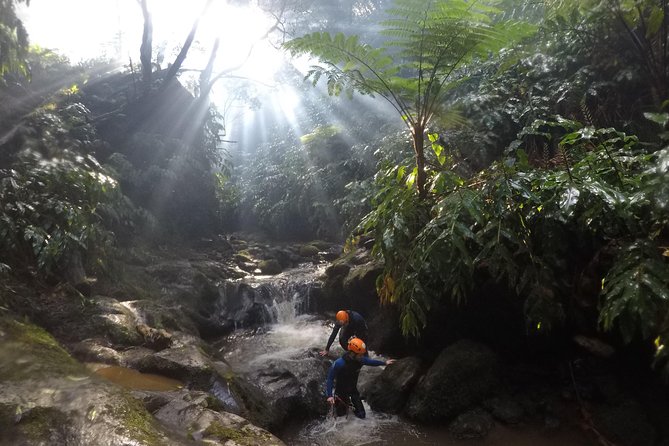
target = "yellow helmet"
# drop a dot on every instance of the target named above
(342, 316)
(356, 345)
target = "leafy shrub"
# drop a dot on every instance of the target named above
(599, 214)
(50, 210)
(298, 189)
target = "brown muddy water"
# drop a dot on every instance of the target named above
(134, 380)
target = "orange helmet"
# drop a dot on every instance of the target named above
(356, 345)
(342, 317)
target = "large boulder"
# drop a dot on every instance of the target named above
(48, 398)
(197, 414)
(624, 424)
(385, 333)
(462, 376)
(390, 391)
(350, 282)
(292, 387)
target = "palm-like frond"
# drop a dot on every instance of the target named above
(427, 43)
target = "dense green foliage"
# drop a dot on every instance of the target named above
(571, 217)
(546, 233)
(552, 184)
(420, 62)
(57, 204)
(298, 189)
(13, 39)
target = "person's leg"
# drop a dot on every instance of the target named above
(358, 408)
(341, 406)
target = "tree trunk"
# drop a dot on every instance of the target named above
(174, 68)
(205, 76)
(418, 135)
(146, 48)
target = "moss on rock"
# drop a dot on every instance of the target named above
(29, 352)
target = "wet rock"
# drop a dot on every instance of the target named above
(185, 363)
(270, 267)
(390, 391)
(471, 425)
(360, 286)
(48, 398)
(308, 251)
(291, 387)
(385, 333)
(116, 321)
(157, 339)
(462, 376)
(133, 356)
(505, 410)
(625, 424)
(93, 350)
(190, 412)
(166, 316)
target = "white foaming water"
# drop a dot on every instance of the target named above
(249, 348)
(351, 431)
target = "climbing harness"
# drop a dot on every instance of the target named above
(342, 406)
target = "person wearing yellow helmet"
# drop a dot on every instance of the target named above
(342, 382)
(351, 323)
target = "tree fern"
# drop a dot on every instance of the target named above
(427, 43)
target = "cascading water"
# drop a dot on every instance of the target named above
(283, 331)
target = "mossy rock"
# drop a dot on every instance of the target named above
(321, 245)
(49, 398)
(33, 353)
(271, 266)
(39, 425)
(308, 251)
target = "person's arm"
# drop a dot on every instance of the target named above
(366, 360)
(329, 384)
(333, 336)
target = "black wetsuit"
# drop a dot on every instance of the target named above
(356, 326)
(342, 382)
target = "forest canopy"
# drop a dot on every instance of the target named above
(530, 153)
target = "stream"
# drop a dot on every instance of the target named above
(291, 330)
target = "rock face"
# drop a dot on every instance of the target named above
(462, 376)
(350, 282)
(390, 391)
(194, 412)
(291, 387)
(48, 398)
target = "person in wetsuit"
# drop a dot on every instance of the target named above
(351, 324)
(342, 382)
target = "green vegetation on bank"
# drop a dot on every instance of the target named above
(550, 182)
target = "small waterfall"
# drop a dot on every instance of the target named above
(265, 300)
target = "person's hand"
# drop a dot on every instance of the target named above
(331, 399)
(390, 361)
(324, 352)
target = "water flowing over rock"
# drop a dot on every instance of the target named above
(293, 387)
(263, 300)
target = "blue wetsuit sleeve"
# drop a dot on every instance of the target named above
(366, 360)
(329, 385)
(335, 330)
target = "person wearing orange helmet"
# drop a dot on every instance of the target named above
(342, 382)
(351, 323)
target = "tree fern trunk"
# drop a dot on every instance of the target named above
(418, 134)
